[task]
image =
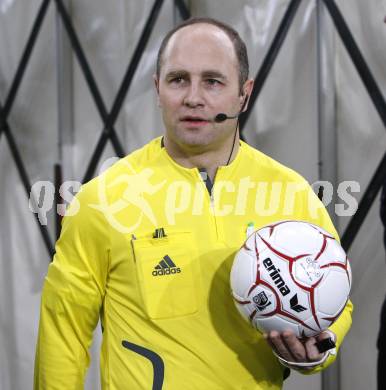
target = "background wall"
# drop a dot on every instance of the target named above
(54, 122)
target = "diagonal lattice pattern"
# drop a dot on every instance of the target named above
(108, 119)
(108, 132)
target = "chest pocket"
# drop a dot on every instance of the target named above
(168, 274)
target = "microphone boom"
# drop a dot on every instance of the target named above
(223, 117)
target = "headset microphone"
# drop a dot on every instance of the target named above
(223, 117)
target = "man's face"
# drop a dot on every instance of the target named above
(199, 78)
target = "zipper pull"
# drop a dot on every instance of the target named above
(212, 200)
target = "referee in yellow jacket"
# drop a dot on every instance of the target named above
(147, 246)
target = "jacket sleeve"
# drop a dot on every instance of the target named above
(319, 216)
(72, 297)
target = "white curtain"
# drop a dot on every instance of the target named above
(284, 124)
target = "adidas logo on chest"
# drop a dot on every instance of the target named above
(166, 267)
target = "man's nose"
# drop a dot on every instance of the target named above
(194, 96)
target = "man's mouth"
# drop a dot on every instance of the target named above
(194, 120)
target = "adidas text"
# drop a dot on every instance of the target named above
(168, 271)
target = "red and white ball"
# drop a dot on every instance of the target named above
(291, 275)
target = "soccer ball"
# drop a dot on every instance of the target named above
(291, 275)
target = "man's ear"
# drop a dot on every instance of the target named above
(156, 85)
(247, 90)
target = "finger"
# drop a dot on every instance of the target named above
(267, 337)
(325, 341)
(312, 351)
(275, 341)
(325, 335)
(295, 346)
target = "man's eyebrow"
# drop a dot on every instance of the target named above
(214, 74)
(205, 74)
(176, 73)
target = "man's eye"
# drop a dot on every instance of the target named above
(177, 80)
(213, 82)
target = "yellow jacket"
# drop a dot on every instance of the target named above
(167, 314)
